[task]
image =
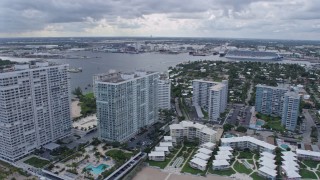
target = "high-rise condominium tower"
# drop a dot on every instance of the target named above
(290, 110)
(211, 96)
(126, 102)
(279, 101)
(164, 92)
(34, 107)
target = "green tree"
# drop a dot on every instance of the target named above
(227, 127)
(77, 92)
(241, 129)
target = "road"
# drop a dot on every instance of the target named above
(309, 123)
(177, 107)
(249, 94)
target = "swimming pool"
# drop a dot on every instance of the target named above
(229, 135)
(260, 123)
(284, 146)
(97, 169)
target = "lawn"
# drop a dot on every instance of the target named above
(241, 168)
(273, 123)
(160, 164)
(302, 165)
(310, 163)
(188, 169)
(306, 174)
(36, 162)
(245, 155)
(227, 172)
(250, 161)
(118, 154)
(255, 176)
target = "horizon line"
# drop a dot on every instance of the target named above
(151, 37)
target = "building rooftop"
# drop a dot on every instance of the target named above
(268, 155)
(34, 64)
(289, 168)
(288, 153)
(204, 151)
(167, 138)
(280, 86)
(221, 162)
(289, 158)
(248, 139)
(269, 164)
(156, 153)
(162, 148)
(202, 156)
(217, 87)
(223, 148)
(219, 157)
(293, 94)
(166, 144)
(270, 172)
(117, 77)
(225, 153)
(308, 153)
(208, 145)
(187, 124)
(266, 160)
(293, 174)
(199, 161)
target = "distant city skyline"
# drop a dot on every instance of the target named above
(261, 19)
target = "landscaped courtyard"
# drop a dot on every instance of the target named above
(37, 162)
(244, 163)
(8, 171)
(309, 169)
(92, 162)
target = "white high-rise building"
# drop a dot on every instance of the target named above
(125, 103)
(164, 92)
(34, 107)
(269, 99)
(290, 110)
(211, 96)
(217, 101)
(279, 101)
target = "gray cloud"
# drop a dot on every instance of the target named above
(207, 17)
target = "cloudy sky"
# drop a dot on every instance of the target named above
(279, 19)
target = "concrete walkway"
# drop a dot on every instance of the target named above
(254, 164)
(188, 158)
(172, 169)
(243, 176)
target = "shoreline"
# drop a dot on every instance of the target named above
(148, 173)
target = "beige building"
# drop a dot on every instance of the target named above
(192, 130)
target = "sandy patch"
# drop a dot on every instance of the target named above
(86, 122)
(75, 109)
(148, 173)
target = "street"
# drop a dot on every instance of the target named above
(309, 122)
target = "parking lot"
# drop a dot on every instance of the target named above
(143, 140)
(239, 115)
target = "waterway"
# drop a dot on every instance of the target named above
(99, 62)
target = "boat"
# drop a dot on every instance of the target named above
(75, 70)
(253, 55)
